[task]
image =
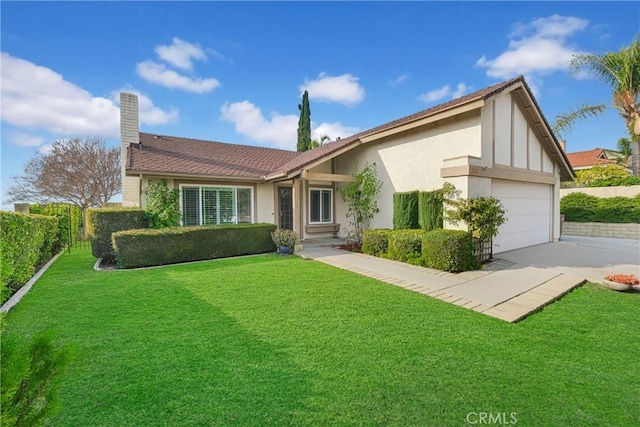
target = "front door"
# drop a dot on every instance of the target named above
(285, 208)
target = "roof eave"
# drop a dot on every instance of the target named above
(132, 172)
(470, 105)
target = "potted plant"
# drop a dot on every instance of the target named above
(621, 282)
(285, 240)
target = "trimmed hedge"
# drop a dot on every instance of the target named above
(406, 246)
(581, 207)
(376, 241)
(69, 220)
(102, 223)
(144, 248)
(430, 210)
(448, 250)
(26, 242)
(405, 210)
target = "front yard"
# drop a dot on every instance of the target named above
(269, 340)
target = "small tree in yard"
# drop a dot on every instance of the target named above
(483, 215)
(162, 205)
(81, 171)
(360, 196)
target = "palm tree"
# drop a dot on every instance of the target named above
(621, 71)
(624, 146)
(315, 143)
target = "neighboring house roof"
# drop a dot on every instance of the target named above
(581, 159)
(185, 156)
(197, 157)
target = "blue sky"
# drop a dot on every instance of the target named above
(235, 71)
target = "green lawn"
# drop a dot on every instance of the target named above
(271, 340)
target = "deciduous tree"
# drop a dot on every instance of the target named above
(81, 171)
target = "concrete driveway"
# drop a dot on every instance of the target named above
(514, 285)
(592, 258)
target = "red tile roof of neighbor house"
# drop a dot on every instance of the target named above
(184, 156)
(593, 157)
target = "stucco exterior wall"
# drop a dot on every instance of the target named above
(412, 161)
(621, 191)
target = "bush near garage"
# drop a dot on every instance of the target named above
(151, 247)
(448, 250)
(405, 210)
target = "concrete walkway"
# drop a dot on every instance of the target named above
(515, 285)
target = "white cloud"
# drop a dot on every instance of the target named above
(36, 97)
(180, 53)
(436, 94)
(444, 92)
(343, 89)
(159, 74)
(536, 49)
(333, 130)
(279, 131)
(400, 79)
(552, 26)
(461, 89)
(25, 140)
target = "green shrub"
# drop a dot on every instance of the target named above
(405, 211)
(430, 210)
(69, 220)
(406, 246)
(102, 223)
(598, 173)
(617, 182)
(578, 207)
(581, 207)
(162, 205)
(26, 242)
(143, 248)
(448, 250)
(376, 241)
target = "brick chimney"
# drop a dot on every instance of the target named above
(129, 134)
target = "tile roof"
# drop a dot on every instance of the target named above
(593, 157)
(185, 156)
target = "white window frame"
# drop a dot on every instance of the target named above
(235, 189)
(321, 189)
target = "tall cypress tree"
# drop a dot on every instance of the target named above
(304, 124)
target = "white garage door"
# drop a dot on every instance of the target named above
(528, 211)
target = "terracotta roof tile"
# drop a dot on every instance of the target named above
(589, 158)
(173, 155)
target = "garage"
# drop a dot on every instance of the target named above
(528, 209)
